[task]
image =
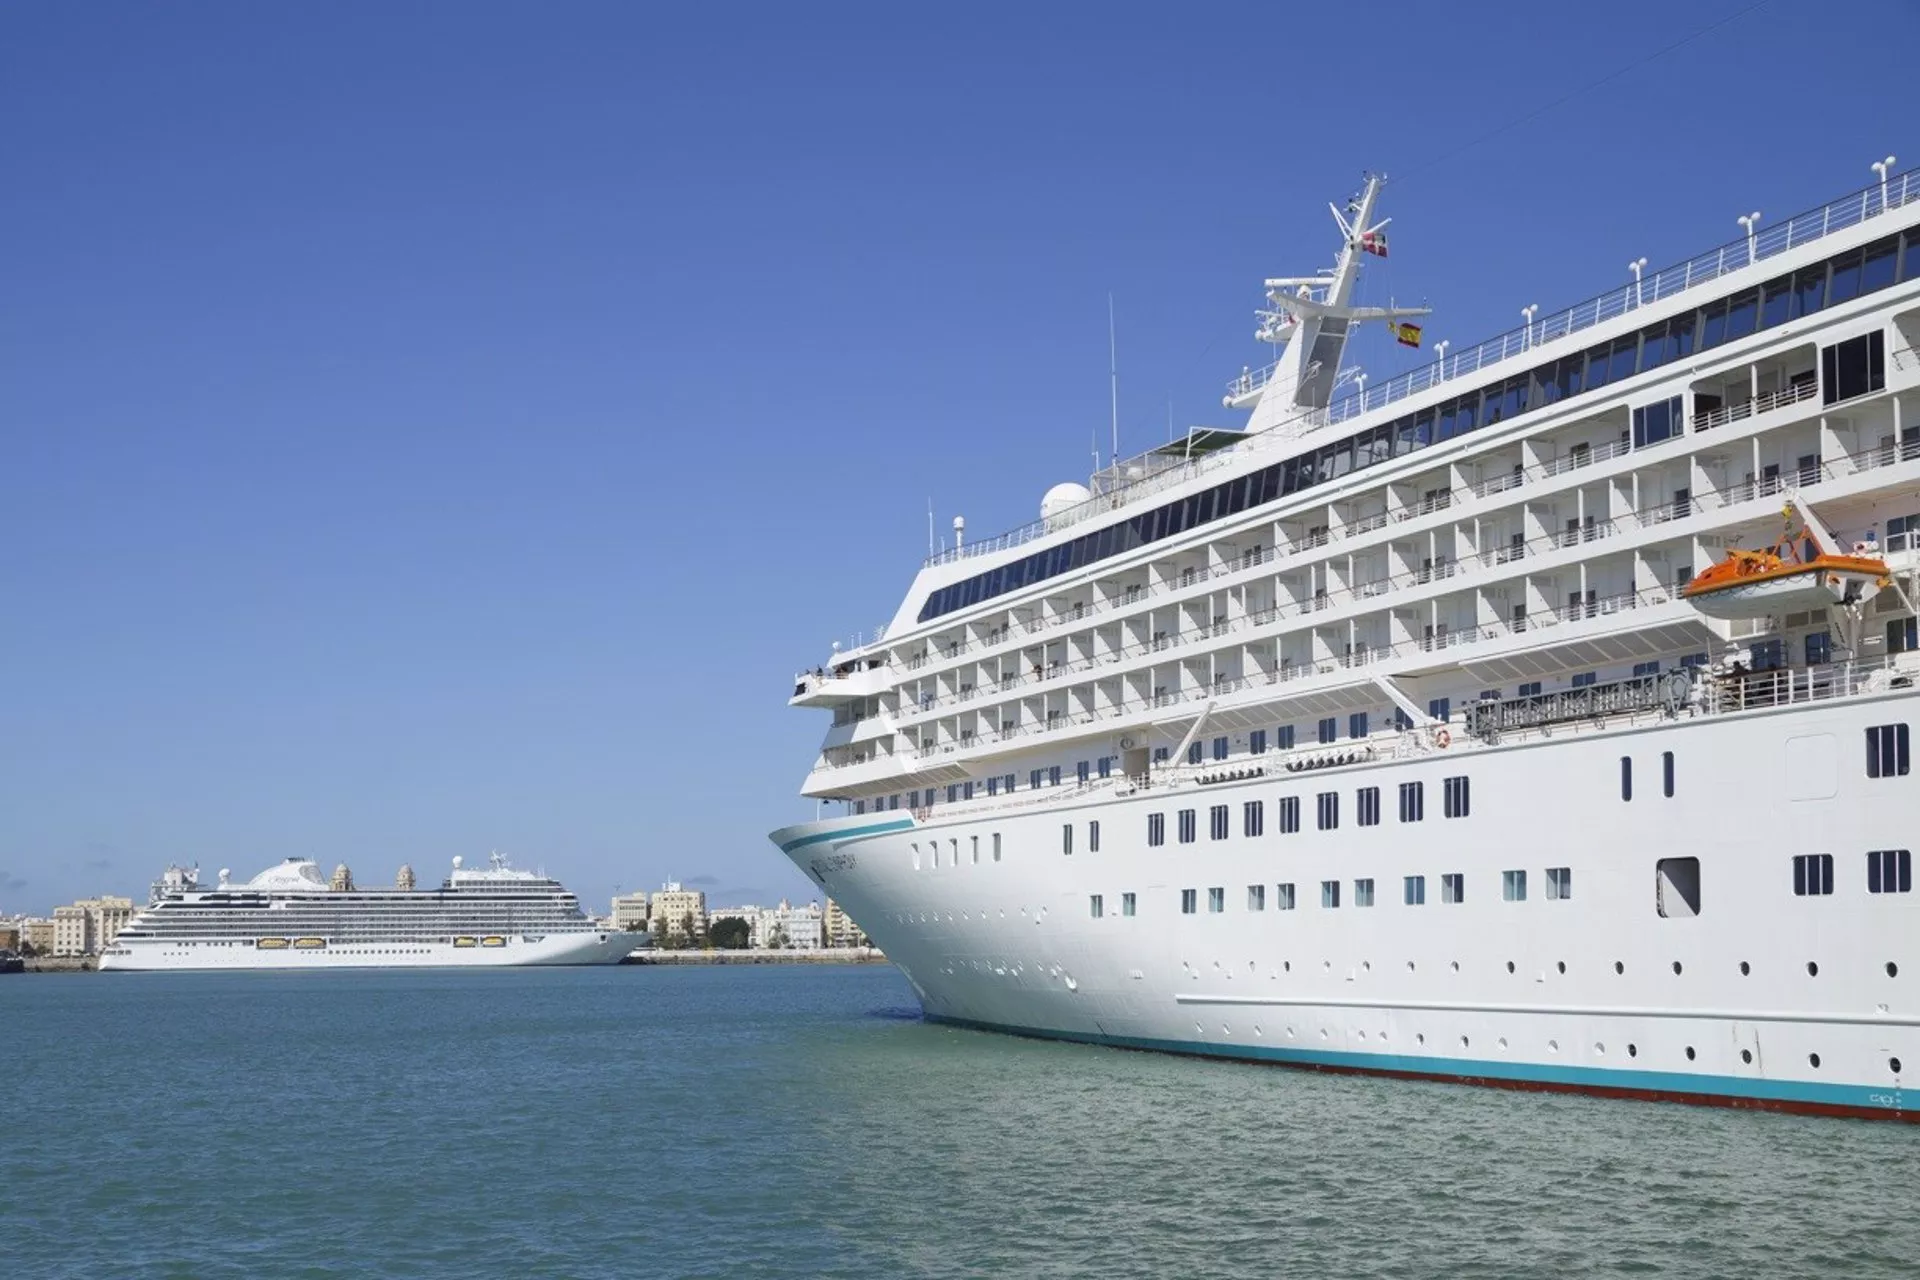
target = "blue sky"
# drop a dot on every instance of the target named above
(427, 428)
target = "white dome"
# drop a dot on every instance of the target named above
(1062, 498)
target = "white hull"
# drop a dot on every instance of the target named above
(553, 949)
(1597, 992)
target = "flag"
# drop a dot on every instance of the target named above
(1374, 242)
(1408, 335)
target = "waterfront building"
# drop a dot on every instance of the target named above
(749, 914)
(630, 912)
(37, 932)
(90, 925)
(679, 911)
(840, 929)
(1540, 715)
(790, 928)
(10, 934)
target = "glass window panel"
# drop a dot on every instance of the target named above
(1777, 308)
(1846, 278)
(1741, 314)
(1809, 289)
(1877, 271)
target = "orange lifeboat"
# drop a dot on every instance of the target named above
(1795, 573)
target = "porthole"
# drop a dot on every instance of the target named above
(1689, 1053)
(1503, 1044)
(1553, 1046)
(1409, 966)
(1745, 968)
(1420, 1037)
(1326, 966)
(1893, 970)
(1463, 1042)
(1813, 1060)
(1198, 1029)
(1456, 966)
(1361, 1034)
(1599, 1049)
(1893, 1065)
(1323, 1033)
(1746, 1056)
(1619, 967)
(1813, 969)
(1563, 966)
(1366, 966)
(1509, 966)
(1289, 1033)
(1633, 1050)
(1286, 966)
(1256, 1030)
(1676, 968)
(1225, 1030)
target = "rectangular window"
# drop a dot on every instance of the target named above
(1330, 729)
(1216, 900)
(974, 845)
(1106, 766)
(1666, 773)
(1812, 874)
(1156, 829)
(1413, 801)
(1887, 751)
(1626, 777)
(1890, 871)
(1454, 797)
(1559, 883)
(1126, 904)
(1903, 634)
(1819, 648)
(1856, 367)
(1219, 748)
(1531, 689)
(1189, 901)
(1257, 742)
(1217, 822)
(1329, 893)
(1440, 709)
(1256, 897)
(953, 792)
(1093, 836)
(1096, 906)
(1053, 775)
(1513, 886)
(1083, 771)
(1066, 838)
(1415, 890)
(1283, 897)
(1283, 737)
(1367, 803)
(1289, 815)
(993, 786)
(1253, 818)
(1363, 893)
(1453, 888)
(996, 846)
(1329, 810)
(1357, 725)
(1194, 753)
(1187, 826)
(1033, 780)
(1584, 679)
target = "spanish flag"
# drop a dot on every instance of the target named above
(1407, 335)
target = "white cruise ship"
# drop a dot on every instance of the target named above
(1540, 717)
(291, 917)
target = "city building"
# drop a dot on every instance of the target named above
(85, 927)
(841, 931)
(750, 914)
(790, 928)
(629, 912)
(675, 910)
(38, 934)
(9, 936)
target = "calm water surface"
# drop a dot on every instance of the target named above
(804, 1122)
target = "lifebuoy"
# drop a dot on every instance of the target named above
(1443, 739)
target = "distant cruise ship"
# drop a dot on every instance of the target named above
(1539, 717)
(291, 917)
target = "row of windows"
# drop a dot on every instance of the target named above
(1456, 796)
(1097, 905)
(1413, 892)
(952, 856)
(1888, 871)
(1824, 284)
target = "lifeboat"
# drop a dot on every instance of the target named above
(1796, 573)
(271, 944)
(309, 944)
(493, 942)
(465, 942)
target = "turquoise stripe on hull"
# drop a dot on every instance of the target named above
(848, 833)
(1789, 1095)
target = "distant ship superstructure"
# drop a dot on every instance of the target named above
(290, 916)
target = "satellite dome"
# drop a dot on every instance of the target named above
(456, 862)
(1061, 499)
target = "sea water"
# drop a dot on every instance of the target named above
(734, 1121)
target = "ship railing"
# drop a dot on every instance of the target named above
(1837, 215)
(1764, 403)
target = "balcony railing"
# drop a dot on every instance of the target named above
(1720, 417)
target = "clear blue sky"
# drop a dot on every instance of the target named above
(427, 428)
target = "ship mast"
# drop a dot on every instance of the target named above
(1312, 317)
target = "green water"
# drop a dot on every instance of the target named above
(804, 1122)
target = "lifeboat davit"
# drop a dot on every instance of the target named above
(1795, 573)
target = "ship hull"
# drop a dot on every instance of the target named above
(516, 952)
(1757, 996)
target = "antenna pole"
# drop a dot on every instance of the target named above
(931, 549)
(1113, 376)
